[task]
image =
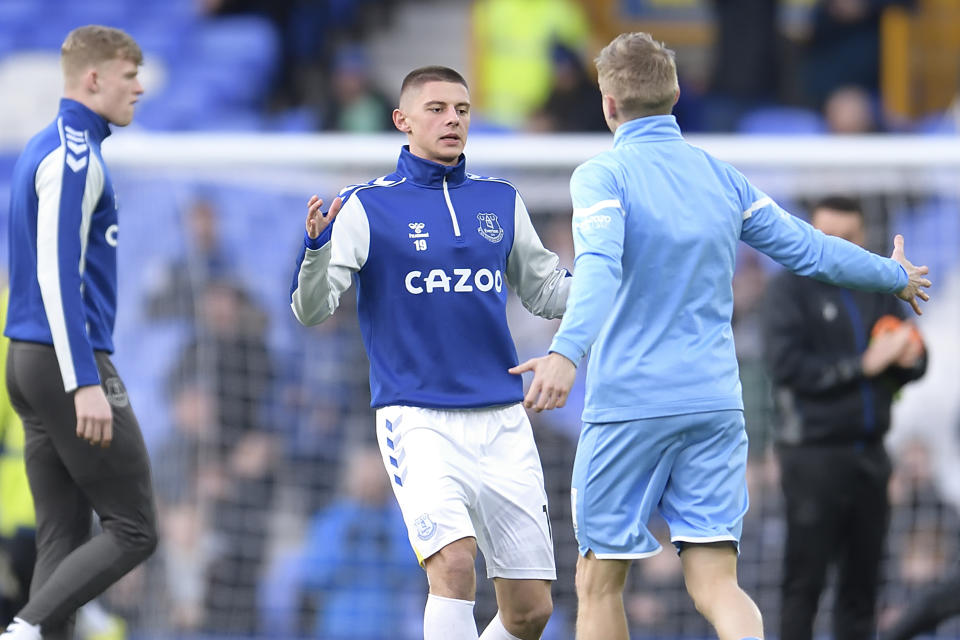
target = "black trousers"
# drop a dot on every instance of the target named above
(837, 512)
(70, 479)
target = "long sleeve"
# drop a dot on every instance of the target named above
(69, 183)
(809, 252)
(533, 271)
(598, 234)
(327, 263)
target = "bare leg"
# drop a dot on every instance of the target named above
(710, 572)
(525, 607)
(600, 612)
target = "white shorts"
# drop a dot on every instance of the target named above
(470, 473)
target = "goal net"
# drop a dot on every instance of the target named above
(277, 518)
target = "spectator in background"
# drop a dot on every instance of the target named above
(850, 110)
(746, 69)
(836, 367)
(323, 392)
(174, 290)
(923, 557)
(354, 104)
(844, 47)
(513, 41)
(18, 535)
(574, 100)
(353, 576)
(749, 285)
(237, 465)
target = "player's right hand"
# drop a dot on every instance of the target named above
(94, 415)
(915, 274)
(317, 221)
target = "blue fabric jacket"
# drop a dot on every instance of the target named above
(656, 224)
(432, 250)
(63, 244)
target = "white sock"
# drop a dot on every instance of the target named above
(20, 629)
(496, 631)
(448, 619)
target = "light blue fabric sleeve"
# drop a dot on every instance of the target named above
(809, 252)
(598, 232)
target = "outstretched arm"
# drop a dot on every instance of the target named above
(808, 252)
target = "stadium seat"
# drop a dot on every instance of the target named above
(782, 121)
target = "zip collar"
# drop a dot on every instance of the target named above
(80, 114)
(427, 173)
(647, 129)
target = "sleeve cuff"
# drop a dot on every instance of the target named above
(902, 279)
(318, 242)
(568, 349)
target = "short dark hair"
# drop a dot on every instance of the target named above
(843, 204)
(433, 73)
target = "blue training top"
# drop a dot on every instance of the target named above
(655, 224)
(431, 250)
(63, 244)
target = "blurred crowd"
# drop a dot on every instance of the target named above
(767, 66)
(275, 510)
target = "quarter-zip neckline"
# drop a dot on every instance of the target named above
(453, 214)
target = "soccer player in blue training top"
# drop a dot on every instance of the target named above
(63, 300)
(431, 249)
(656, 224)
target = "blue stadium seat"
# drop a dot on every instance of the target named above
(782, 121)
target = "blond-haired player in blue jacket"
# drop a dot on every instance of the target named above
(656, 223)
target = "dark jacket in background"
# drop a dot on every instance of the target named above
(816, 334)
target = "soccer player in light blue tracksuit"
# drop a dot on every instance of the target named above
(432, 250)
(656, 224)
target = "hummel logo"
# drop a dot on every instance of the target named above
(417, 228)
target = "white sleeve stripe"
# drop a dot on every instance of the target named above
(603, 204)
(48, 181)
(756, 206)
(92, 191)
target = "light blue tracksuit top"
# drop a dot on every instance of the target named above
(655, 225)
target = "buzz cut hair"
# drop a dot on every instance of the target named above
(434, 73)
(93, 44)
(640, 73)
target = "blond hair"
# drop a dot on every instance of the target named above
(640, 73)
(90, 45)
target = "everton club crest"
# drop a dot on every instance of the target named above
(490, 227)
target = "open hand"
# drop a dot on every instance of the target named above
(913, 290)
(553, 377)
(317, 221)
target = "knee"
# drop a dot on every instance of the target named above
(600, 578)
(451, 573)
(528, 620)
(138, 540)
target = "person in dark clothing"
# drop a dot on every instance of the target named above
(572, 103)
(837, 357)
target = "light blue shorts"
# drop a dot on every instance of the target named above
(691, 467)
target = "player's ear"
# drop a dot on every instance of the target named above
(400, 121)
(609, 107)
(91, 80)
